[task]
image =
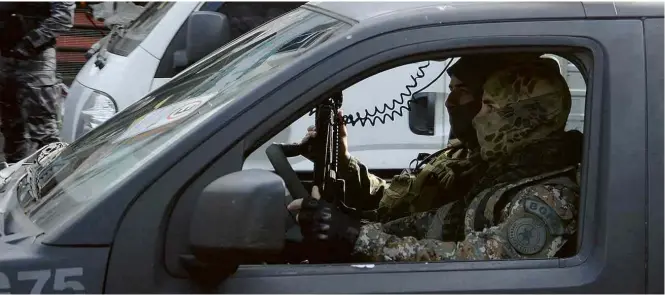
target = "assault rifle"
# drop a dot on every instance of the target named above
(323, 150)
(326, 143)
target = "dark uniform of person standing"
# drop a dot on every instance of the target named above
(28, 84)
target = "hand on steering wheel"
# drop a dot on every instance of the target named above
(324, 226)
(321, 223)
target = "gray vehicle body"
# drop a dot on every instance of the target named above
(132, 240)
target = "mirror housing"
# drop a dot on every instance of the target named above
(239, 217)
(206, 32)
(422, 113)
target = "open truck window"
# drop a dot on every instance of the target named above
(370, 187)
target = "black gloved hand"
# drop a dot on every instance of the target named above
(328, 230)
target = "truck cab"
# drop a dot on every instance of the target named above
(162, 197)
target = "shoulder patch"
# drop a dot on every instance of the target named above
(527, 234)
(546, 213)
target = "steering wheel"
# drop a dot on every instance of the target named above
(277, 154)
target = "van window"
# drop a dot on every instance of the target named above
(139, 29)
(245, 16)
(242, 17)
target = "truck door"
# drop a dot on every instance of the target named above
(606, 245)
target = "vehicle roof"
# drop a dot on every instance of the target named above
(478, 11)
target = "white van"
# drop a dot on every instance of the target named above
(179, 33)
(163, 40)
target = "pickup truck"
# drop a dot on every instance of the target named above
(156, 199)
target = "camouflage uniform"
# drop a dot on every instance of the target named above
(449, 173)
(28, 80)
(525, 206)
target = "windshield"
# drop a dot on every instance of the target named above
(139, 29)
(91, 167)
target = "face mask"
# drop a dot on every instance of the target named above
(529, 102)
(461, 115)
(461, 122)
(504, 130)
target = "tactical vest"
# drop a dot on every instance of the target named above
(484, 210)
(422, 190)
(455, 220)
(19, 18)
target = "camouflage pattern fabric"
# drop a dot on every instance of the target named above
(449, 176)
(531, 102)
(536, 203)
(519, 233)
(30, 89)
(445, 179)
(60, 21)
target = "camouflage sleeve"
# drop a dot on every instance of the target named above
(533, 225)
(60, 21)
(364, 189)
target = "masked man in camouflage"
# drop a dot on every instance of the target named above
(442, 177)
(28, 85)
(524, 206)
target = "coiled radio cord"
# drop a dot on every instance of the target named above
(395, 107)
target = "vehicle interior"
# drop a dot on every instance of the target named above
(574, 67)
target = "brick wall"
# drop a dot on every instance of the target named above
(71, 47)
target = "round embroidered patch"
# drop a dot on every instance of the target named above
(527, 235)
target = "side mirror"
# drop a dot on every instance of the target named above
(206, 32)
(422, 113)
(238, 217)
